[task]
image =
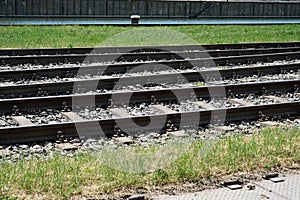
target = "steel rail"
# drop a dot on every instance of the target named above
(50, 132)
(167, 94)
(130, 57)
(64, 87)
(102, 50)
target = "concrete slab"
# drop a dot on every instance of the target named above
(276, 180)
(203, 105)
(239, 101)
(72, 116)
(163, 109)
(287, 190)
(120, 112)
(22, 121)
(278, 99)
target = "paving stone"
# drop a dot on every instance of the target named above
(276, 180)
(265, 189)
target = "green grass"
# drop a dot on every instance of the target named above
(85, 174)
(90, 36)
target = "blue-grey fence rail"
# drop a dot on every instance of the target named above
(147, 8)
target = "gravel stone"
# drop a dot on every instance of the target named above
(45, 117)
(89, 113)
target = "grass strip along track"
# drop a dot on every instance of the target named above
(89, 36)
(64, 177)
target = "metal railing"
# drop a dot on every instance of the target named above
(148, 8)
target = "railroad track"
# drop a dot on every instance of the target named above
(187, 93)
(14, 57)
(60, 51)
